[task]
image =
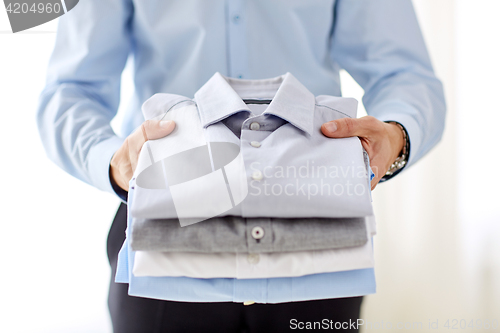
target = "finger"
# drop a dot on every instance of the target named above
(149, 130)
(348, 127)
(156, 129)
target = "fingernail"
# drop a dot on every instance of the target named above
(331, 127)
(165, 123)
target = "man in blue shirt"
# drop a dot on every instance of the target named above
(176, 46)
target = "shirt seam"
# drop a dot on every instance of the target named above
(170, 108)
(326, 106)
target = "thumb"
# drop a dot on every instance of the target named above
(345, 127)
(149, 130)
(157, 129)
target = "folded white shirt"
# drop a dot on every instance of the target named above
(252, 265)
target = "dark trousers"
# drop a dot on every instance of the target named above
(143, 315)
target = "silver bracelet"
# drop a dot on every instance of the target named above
(402, 159)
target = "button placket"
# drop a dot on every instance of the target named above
(251, 146)
(237, 39)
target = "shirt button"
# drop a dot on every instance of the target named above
(254, 126)
(253, 258)
(255, 144)
(236, 18)
(257, 232)
(257, 175)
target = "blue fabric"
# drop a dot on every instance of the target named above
(177, 45)
(276, 290)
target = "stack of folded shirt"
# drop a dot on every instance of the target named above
(247, 201)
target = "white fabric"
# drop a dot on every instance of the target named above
(244, 266)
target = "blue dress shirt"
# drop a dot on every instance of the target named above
(177, 45)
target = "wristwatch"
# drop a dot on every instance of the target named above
(402, 159)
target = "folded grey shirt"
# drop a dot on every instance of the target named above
(248, 235)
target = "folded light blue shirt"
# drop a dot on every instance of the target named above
(275, 290)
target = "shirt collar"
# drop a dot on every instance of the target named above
(221, 97)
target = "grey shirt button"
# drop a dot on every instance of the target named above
(254, 126)
(257, 232)
(253, 258)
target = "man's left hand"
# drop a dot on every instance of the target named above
(382, 141)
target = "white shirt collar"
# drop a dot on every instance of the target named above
(221, 97)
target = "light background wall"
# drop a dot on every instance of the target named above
(54, 274)
(437, 249)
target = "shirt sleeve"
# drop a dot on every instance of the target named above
(82, 91)
(380, 44)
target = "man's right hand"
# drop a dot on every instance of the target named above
(124, 161)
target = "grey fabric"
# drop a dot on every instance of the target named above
(234, 234)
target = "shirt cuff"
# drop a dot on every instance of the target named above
(402, 113)
(99, 158)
